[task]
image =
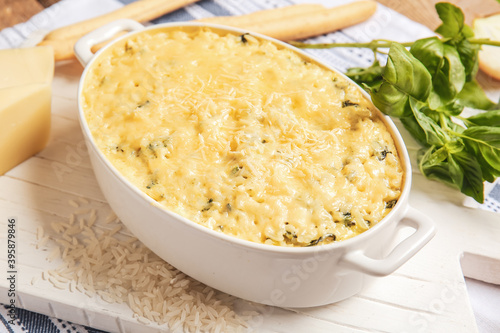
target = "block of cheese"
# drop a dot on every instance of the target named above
(25, 91)
(25, 66)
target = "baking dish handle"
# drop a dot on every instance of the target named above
(83, 47)
(424, 231)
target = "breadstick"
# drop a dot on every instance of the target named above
(285, 23)
(142, 11)
(242, 21)
(63, 49)
(316, 23)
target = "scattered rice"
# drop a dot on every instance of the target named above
(42, 242)
(56, 283)
(111, 218)
(54, 253)
(81, 222)
(39, 233)
(93, 218)
(73, 203)
(119, 269)
(83, 200)
(115, 230)
(34, 279)
(56, 227)
(80, 288)
(81, 211)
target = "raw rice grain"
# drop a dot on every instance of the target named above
(118, 268)
(73, 203)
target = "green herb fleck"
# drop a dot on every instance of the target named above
(208, 205)
(236, 169)
(151, 184)
(348, 222)
(327, 237)
(390, 204)
(381, 155)
(144, 104)
(347, 103)
(315, 241)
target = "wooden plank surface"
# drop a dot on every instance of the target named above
(423, 11)
(16, 11)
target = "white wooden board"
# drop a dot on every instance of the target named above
(427, 294)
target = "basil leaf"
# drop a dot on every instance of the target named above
(411, 124)
(472, 95)
(403, 77)
(453, 20)
(407, 73)
(430, 52)
(444, 64)
(488, 118)
(489, 173)
(467, 174)
(454, 166)
(434, 134)
(454, 28)
(432, 156)
(371, 76)
(452, 109)
(450, 78)
(467, 31)
(391, 101)
(469, 55)
(487, 141)
(433, 165)
(484, 135)
(456, 173)
(491, 155)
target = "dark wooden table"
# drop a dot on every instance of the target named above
(16, 11)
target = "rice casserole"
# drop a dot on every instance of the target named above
(242, 136)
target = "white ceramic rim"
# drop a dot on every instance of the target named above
(400, 207)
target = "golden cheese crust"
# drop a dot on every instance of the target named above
(242, 136)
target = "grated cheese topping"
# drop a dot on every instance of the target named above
(242, 136)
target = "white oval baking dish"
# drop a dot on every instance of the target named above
(281, 276)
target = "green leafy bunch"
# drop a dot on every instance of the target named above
(427, 84)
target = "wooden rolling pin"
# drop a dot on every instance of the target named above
(286, 23)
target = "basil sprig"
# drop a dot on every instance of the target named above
(427, 84)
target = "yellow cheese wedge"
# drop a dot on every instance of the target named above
(25, 95)
(489, 27)
(25, 66)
